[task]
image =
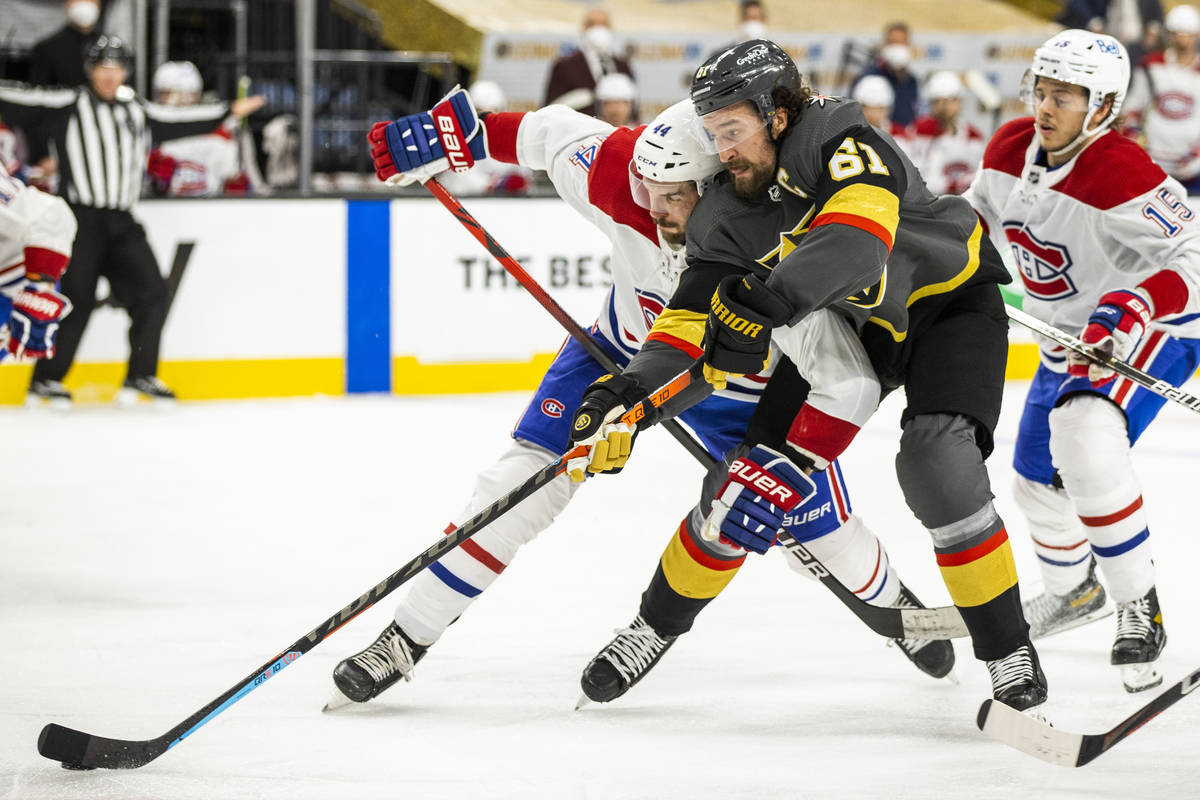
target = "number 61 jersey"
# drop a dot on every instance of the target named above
(1108, 218)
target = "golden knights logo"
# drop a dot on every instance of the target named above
(872, 295)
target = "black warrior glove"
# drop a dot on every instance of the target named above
(737, 336)
(603, 402)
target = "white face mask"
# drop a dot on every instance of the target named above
(897, 56)
(598, 38)
(83, 14)
(753, 29)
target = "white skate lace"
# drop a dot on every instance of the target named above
(1133, 619)
(390, 653)
(634, 648)
(1015, 668)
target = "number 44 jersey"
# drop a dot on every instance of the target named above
(1107, 219)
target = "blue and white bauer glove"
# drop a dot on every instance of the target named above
(418, 146)
(762, 487)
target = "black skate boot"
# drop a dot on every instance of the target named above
(1140, 640)
(1048, 614)
(624, 661)
(1018, 681)
(934, 657)
(53, 392)
(149, 387)
(365, 675)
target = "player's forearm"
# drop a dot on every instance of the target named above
(832, 263)
(656, 364)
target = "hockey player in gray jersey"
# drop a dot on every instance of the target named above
(821, 211)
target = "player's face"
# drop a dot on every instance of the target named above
(670, 206)
(876, 115)
(945, 109)
(1059, 111)
(107, 77)
(744, 145)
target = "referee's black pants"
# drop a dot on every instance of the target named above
(110, 242)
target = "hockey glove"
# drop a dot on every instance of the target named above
(737, 335)
(33, 326)
(762, 487)
(418, 146)
(1114, 328)
(611, 442)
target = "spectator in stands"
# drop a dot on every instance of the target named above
(1164, 100)
(616, 95)
(1130, 21)
(198, 166)
(894, 56)
(58, 59)
(752, 20)
(573, 77)
(948, 150)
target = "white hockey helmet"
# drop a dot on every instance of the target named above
(667, 151)
(487, 96)
(1183, 19)
(178, 76)
(616, 86)
(1095, 61)
(874, 90)
(943, 84)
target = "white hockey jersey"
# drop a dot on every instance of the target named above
(587, 160)
(1107, 219)
(1164, 104)
(36, 232)
(202, 164)
(948, 160)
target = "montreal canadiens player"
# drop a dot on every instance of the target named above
(1106, 245)
(36, 232)
(589, 163)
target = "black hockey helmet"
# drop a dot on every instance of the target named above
(106, 49)
(746, 71)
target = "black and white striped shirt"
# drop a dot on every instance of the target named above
(102, 146)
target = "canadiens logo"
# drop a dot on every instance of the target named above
(1043, 265)
(553, 408)
(651, 305)
(1174, 105)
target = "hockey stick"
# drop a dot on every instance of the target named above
(1057, 746)
(894, 623)
(79, 750)
(1125, 370)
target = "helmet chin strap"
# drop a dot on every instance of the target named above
(1084, 135)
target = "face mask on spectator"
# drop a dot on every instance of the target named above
(753, 29)
(599, 38)
(896, 56)
(83, 14)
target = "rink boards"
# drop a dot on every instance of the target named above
(280, 298)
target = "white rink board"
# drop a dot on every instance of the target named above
(266, 279)
(451, 301)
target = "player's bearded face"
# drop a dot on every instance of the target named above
(670, 206)
(745, 147)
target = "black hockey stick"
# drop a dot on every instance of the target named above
(1125, 370)
(79, 750)
(1057, 746)
(919, 623)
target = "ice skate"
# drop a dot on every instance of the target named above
(52, 393)
(366, 674)
(1018, 681)
(1049, 614)
(934, 657)
(1140, 640)
(150, 388)
(623, 662)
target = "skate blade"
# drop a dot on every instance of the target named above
(582, 702)
(1140, 677)
(1100, 613)
(952, 677)
(337, 700)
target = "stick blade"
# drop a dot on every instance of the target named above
(78, 750)
(944, 622)
(1031, 736)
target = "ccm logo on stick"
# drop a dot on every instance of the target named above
(452, 144)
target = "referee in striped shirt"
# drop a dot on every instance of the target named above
(100, 134)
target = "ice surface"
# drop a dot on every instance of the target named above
(151, 559)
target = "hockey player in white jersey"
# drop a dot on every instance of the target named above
(1107, 246)
(589, 164)
(36, 232)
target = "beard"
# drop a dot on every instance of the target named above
(755, 182)
(670, 232)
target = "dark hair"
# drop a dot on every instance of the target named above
(793, 101)
(898, 25)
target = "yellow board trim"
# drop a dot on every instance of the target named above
(982, 580)
(411, 377)
(940, 288)
(689, 578)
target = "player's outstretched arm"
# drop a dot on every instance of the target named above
(418, 146)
